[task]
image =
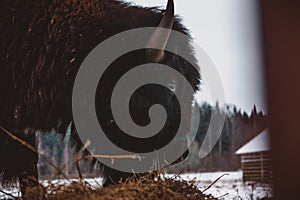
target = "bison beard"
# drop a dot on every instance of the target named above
(42, 46)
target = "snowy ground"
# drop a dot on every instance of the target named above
(230, 185)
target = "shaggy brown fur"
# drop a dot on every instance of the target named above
(43, 43)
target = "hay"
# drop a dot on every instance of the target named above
(153, 187)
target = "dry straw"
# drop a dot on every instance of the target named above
(154, 186)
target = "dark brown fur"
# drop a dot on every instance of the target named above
(43, 43)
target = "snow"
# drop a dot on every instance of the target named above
(230, 185)
(260, 143)
(211, 176)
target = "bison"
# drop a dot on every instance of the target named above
(42, 45)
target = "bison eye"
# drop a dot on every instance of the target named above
(172, 86)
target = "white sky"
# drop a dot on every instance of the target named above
(229, 32)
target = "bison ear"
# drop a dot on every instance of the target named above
(160, 37)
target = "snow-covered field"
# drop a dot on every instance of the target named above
(230, 186)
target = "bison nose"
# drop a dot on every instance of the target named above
(181, 158)
(183, 144)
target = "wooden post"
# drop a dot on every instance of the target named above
(281, 31)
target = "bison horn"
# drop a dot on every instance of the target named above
(159, 38)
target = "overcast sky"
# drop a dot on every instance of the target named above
(229, 32)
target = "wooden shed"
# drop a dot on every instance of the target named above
(256, 158)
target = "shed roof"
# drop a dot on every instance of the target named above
(259, 143)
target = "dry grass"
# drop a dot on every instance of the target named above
(153, 187)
